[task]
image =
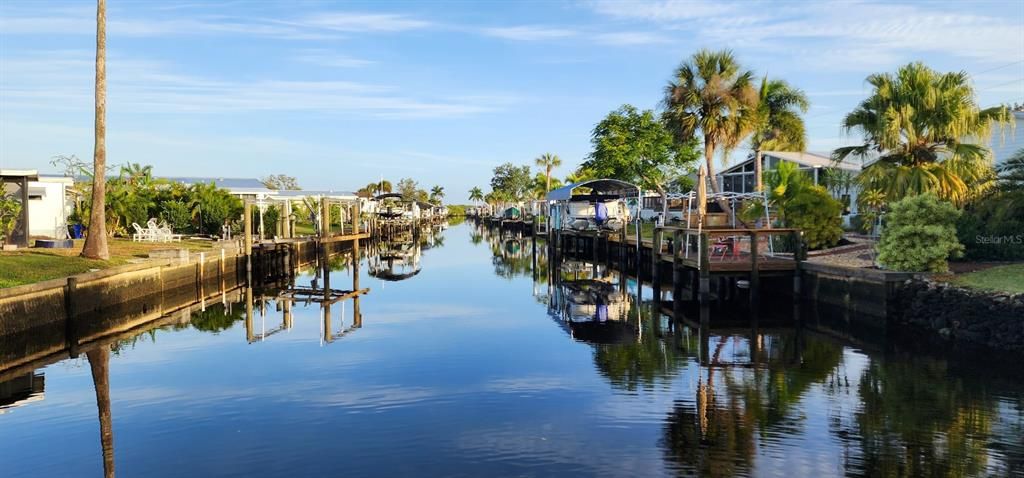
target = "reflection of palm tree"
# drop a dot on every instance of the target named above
(99, 362)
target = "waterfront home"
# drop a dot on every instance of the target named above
(739, 178)
(1007, 141)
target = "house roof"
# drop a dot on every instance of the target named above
(226, 183)
(601, 186)
(31, 174)
(809, 160)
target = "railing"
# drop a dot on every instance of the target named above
(705, 246)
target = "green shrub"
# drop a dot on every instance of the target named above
(992, 227)
(919, 235)
(177, 214)
(817, 214)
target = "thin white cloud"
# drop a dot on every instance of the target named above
(663, 11)
(62, 80)
(631, 38)
(363, 22)
(529, 32)
(330, 59)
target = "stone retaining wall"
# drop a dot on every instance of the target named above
(989, 319)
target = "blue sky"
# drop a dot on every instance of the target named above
(341, 93)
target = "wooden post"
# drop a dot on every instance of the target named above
(704, 283)
(71, 322)
(325, 217)
(247, 231)
(799, 255)
(677, 272)
(659, 235)
(755, 271)
(355, 220)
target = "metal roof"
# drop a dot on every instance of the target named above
(808, 160)
(602, 186)
(226, 183)
(31, 174)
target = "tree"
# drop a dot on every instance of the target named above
(579, 175)
(436, 194)
(408, 188)
(540, 184)
(281, 182)
(10, 209)
(778, 125)
(548, 161)
(712, 94)
(212, 207)
(476, 194)
(511, 182)
(635, 146)
(96, 237)
(920, 235)
(919, 122)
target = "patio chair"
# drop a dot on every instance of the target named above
(140, 233)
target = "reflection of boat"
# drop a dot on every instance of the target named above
(396, 261)
(512, 248)
(590, 305)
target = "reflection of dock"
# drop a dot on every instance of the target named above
(20, 390)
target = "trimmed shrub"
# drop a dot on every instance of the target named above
(817, 213)
(919, 235)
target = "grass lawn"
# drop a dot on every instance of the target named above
(1008, 278)
(27, 266)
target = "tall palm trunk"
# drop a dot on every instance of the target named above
(758, 180)
(547, 180)
(96, 240)
(99, 363)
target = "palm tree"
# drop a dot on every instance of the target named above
(436, 194)
(778, 123)
(385, 186)
(135, 174)
(918, 122)
(476, 194)
(96, 238)
(712, 94)
(548, 161)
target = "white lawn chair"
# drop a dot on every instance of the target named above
(140, 233)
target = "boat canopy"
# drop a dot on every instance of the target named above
(389, 196)
(611, 187)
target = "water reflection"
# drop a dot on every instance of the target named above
(582, 378)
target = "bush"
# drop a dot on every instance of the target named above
(817, 214)
(178, 215)
(992, 227)
(919, 235)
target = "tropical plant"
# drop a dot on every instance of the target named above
(10, 209)
(579, 175)
(436, 194)
(919, 235)
(408, 188)
(212, 207)
(547, 162)
(869, 206)
(712, 94)
(177, 214)
(635, 146)
(778, 125)
(476, 194)
(992, 226)
(921, 123)
(96, 237)
(815, 212)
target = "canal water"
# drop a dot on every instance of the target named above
(466, 359)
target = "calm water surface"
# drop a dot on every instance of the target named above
(477, 364)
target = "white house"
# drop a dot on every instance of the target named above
(50, 201)
(740, 177)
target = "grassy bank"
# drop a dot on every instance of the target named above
(1008, 278)
(28, 266)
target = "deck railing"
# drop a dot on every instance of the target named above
(705, 246)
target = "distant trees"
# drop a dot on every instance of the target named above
(408, 188)
(281, 182)
(919, 122)
(635, 146)
(436, 194)
(96, 238)
(511, 182)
